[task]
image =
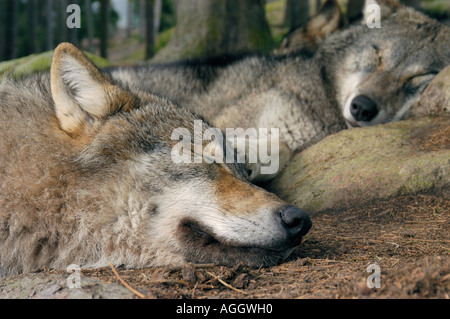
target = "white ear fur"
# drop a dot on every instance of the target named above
(78, 89)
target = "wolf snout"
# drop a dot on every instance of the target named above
(295, 222)
(363, 108)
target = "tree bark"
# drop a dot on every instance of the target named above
(207, 28)
(10, 41)
(157, 15)
(50, 31)
(130, 13)
(149, 29)
(61, 16)
(90, 27)
(73, 33)
(296, 13)
(32, 26)
(142, 17)
(3, 26)
(355, 9)
(104, 9)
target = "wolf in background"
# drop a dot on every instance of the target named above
(86, 178)
(358, 77)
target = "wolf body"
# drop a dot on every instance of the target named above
(86, 178)
(357, 77)
(249, 92)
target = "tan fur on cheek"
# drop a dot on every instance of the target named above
(238, 197)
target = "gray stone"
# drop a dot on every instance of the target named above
(360, 165)
(54, 286)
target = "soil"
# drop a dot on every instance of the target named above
(407, 237)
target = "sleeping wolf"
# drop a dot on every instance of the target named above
(86, 178)
(358, 77)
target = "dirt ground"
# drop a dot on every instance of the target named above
(407, 236)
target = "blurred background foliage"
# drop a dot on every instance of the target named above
(127, 32)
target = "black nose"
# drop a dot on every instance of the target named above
(296, 223)
(363, 109)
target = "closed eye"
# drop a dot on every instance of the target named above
(378, 55)
(418, 82)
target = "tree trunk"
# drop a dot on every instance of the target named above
(104, 9)
(130, 12)
(32, 26)
(355, 9)
(149, 29)
(207, 28)
(50, 35)
(61, 16)
(142, 17)
(296, 13)
(3, 26)
(90, 27)
(73, 33)
(158, 11)
(10, 41)
(318, 5)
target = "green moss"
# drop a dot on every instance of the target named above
(279, 36)
(164, 38)
(275, 18)
(39, 62)
(260, 40)
(133, 58)
(35, 63)
(275, 12)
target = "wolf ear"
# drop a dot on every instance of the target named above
(310, 35)
(81, 93)
(326, 21)
(387, 8)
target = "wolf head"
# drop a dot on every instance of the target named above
(152, 211)
(378, 74)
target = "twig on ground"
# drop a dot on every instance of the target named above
(225, 284)
(137, 293)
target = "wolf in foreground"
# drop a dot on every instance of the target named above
(358, 77)
(86, 178)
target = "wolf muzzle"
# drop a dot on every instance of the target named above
(295, 222)
(363, 108)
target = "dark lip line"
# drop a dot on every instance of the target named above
(198, 230)
(352, 123)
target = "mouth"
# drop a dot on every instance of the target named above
(201, 247)
(352, 123)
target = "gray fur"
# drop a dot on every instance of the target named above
(86, 177)
(306, 96)
(395, 63)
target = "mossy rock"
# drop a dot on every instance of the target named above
(54, 286)
(436, 97)
(360, 165)
(39, 62)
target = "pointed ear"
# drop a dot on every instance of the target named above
(326, 21)
(81, 93)
(387, 8)
(311, 34)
